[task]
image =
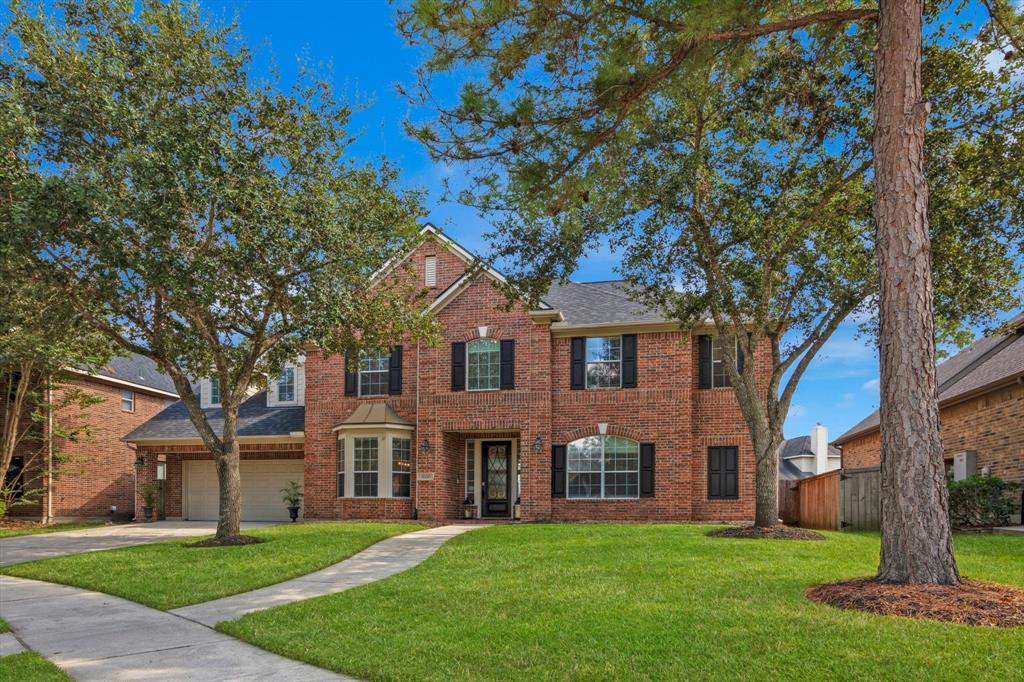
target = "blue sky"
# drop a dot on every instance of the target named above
(358, 41)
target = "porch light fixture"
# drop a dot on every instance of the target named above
(538, 444)
(425, 446)
(140, 462)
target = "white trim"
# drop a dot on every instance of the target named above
(490, 342)
(381, 425)
(122, 382)
(385, 439)
(602, 472)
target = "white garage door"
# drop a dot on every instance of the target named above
(262, 480)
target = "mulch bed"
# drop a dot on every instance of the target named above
(777, 532)
(18, 524)
(228, 542)
(972, 602)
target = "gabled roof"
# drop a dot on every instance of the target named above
(135, 370)
(255, 419)
(985, 364)
(801, 447)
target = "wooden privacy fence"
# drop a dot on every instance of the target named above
(845, 499)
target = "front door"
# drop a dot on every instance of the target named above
(497, 461)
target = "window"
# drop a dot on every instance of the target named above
(603, 467)
(401, 466)
(430, 271)
(373, 373)
(364, 467)
(286, 385)
(128, 401)
(604, 361)
(483, 365)
(719, 374)
(214, 391)
(341, 466)
(722, 472)
(470, 471)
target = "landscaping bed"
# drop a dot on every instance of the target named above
(778, 532)
(618, 601)
(168, 575)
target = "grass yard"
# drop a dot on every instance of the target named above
(167, 575)
(561, 602)
(14, 531)
(29, 666)
(4, 627)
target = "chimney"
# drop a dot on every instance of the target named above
(819, 446)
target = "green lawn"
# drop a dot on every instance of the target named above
(29, 666)
(573, 602)
(4, 627)
(167, 575)
(48, 528)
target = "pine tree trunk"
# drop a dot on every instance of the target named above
(917, 544)
(229, 523)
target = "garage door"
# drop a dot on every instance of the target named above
(262, 480)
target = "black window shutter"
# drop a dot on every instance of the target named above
(459, 366)
(629, 360)
(646, 469)
(508, 364)
(729, 475)
(577, 363)
(395, 371)
(557, 471)
(351, 378)
(723, 473)
(714, 473)
(704, 360)
(739, 359)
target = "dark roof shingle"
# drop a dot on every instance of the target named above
(137, 369)
(254, 419)
(598, 303)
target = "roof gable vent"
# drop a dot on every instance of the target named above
(430, 271)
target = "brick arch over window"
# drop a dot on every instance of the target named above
(493, 332)
(594, 430)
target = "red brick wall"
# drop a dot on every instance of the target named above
(991, 424)
(100, 469)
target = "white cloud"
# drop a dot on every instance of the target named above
(797, 411)
(847, 401)
(870, 385)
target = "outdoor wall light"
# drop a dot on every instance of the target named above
(425, 446)
(140, 461)
(538, 444)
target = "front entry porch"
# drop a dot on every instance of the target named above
(490, 480)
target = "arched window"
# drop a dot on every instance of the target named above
(483, 365)
(605, 467)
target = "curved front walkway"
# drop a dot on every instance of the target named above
(376, 562)
(95, 636)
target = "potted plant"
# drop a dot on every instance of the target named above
(291, 495)
(468, 508)
(148, 498)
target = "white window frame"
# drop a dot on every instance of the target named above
(385, 438)
(603, 472)
(129, 396)
(470, 471)
(587, 363)
(359, 378)
(407, 472)
(294, 382)
(718, 359)
(356, 472)
(214, 382)
(492, 343)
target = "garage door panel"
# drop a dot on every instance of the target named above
(262, 481)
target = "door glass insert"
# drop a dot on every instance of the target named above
(497, 472)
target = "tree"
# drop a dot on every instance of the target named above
(196, 216)
(581, 126)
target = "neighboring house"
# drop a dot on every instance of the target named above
(96, 480)
(807, 455)
(590, 406)
(981, 402)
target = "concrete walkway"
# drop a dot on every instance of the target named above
(48, 545)
(379, 561)
(95, 636)
(9, 644)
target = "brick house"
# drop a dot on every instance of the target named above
(96, 480)
(590, 407)
(981, 410)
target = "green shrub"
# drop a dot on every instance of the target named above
(980, 501)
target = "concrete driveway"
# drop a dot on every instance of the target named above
(48, 545)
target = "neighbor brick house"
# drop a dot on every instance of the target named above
(590, 406)
(981, 410)
(96, 477)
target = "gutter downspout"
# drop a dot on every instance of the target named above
(416, 497)
(49, 452)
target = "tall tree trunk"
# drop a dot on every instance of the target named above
(766, 479)
(917, 545)
(229, 523)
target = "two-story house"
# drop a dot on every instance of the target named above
(589, 407)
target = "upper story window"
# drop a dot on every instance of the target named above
(603, 467)
(430, 271)
(483, 365)
(214, 391)
(128, 401)
(373, 373)
(604, 362)
(719, 374)
(286, 385)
